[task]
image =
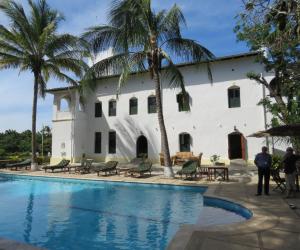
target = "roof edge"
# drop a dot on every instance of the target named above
(180, 65)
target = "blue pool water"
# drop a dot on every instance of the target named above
(68, 214)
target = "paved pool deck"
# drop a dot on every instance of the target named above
(274, 225)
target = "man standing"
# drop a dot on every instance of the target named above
(263, 161)
(289, 164)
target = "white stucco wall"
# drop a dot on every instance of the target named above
(209, 122)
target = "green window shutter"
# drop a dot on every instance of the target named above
(152, 105)
(183, 102)
(185, 142)
(234, 100)
(112, 108)
(112, 142)
(98, 109)
(98, 143)
(133, 106)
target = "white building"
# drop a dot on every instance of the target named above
(221, 115)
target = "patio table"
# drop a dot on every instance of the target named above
(216, 171)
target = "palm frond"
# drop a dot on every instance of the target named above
(172, 74)
(170, 25)
(188, 49)
(55, 72)
(102, 37)
(9, 61)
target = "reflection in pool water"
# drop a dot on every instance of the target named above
(63, 214)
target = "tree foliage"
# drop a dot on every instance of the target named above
(273, 27)
(145, 40)
(19, 143)
(31, 42)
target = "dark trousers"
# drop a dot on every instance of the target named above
(263, 173)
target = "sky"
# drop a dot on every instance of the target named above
(210, 22)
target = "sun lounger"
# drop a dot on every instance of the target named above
(141, 169)
(23, 164)
(108, 167)
(61, 165)
(188, 168)
(85, 167)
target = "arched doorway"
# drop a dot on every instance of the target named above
(237, 146)
(142, 147)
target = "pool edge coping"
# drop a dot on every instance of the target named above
(260, 219)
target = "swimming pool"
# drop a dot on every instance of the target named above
(72, 214)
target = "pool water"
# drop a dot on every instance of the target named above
(68, 214)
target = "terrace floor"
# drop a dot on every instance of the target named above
(274, 225)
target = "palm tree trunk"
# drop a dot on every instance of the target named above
(163, 132)
(33, 129)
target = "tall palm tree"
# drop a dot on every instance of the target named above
(31, 43)
(142, 39)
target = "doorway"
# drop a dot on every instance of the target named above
(237, 146)
(142, 147)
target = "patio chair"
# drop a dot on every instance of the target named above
(85, 167)
(188, 168)
(141, 169)
(108, 167)
(61, 165)
(279, 181)
(23, 164)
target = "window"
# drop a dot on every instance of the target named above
(133, 106)
(185, 142)
(64, 105)
(152, 105)
(234, 99)
(98, 143)
(112, 142)
(183, 101)
(98, 109)
(112, 108)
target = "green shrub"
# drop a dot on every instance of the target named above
(43, 160)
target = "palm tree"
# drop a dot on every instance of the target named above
(142, 39)
(31, 43)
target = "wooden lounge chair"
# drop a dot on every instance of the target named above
(85, 167)
(189, 168)
(61, 165)
(108, 167)
(279, 181)
(23, 164)
(141, 169)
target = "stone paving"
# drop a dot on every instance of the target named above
(274, 226)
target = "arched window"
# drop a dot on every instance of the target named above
(185, 142)
(183, 101)
(133, 106)
(112, 142)
(234, 97)
(152, 108)
(112, 108)
(64, 104)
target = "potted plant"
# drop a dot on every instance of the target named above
(214, 159)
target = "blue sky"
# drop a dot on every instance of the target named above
(210, 22)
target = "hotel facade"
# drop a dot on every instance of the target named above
(220, 116)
